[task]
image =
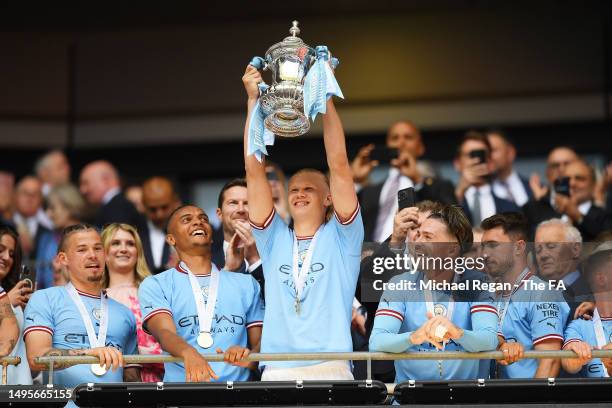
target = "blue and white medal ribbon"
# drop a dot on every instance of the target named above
(205, 311)
(100, 339)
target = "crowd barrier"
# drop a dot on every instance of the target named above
(286, 393)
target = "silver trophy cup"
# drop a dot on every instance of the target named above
(283, 101)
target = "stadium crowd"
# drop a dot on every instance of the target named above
(97, 271)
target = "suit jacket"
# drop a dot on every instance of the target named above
(576, 293)
(218, 258)
(143, 231)
(501, 206)
(431, 189)
(118, 209)
(594, 222)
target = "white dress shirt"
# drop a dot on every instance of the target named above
(250, 268)
(519, 195)
(384, 222)
(487, 204)
(157, 237)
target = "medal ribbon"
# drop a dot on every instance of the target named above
(100, 339)
(300, 274)
(205, 310)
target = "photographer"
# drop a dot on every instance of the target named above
(571, 200)
(474, 191)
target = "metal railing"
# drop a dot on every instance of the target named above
(355, 356)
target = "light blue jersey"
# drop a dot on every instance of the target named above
(53, 311)
(2, 293)
(323, 323)
(584, 330)
(533, 316)
(396, 320)
(238, 308)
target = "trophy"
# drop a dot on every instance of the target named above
(282, 103)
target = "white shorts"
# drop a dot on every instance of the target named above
(329, 370)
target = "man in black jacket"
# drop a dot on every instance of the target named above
(99, 183)
(379, 201)
(233, 211)
(159, 199)
(577, 208)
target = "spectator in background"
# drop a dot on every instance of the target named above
(379, 201)
(52, 169)
(558, 159)
(101, 187)
(159, 199)
(29, 216)
(7, 189)
(19, 293)
(558, 248)
(134, 194)
(276, 178)
(125, 269)
(233, 211)
(474, 191)
(577, 207)
(529, 318)
(508, 184)
(66, 207)
(603, 189)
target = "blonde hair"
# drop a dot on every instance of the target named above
(142, 270)
(71, 198)
(329, 212)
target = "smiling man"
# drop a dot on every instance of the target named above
(79, 319)
(197, 308)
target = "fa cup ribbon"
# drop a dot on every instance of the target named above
(320, 83)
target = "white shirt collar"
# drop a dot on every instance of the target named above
(585, 207)
(110, 194)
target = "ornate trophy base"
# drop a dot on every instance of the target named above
(287, 122)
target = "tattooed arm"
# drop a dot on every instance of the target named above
(9, 330)
(39, 344)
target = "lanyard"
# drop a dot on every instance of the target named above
(299, 274)
(599, 335)
(429, 304)
(502, 312)
(205, 311)
(100, 339)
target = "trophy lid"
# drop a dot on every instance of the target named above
(289, 45)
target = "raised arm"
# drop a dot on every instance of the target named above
(259, 192)
(343, 193)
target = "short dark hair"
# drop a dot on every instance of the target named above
(501, 133)
(473, 135)
(456, 222)
(237, 182)
(177, 209)
(514, 224)
(73, 229)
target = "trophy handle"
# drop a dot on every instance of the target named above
(259, 63)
